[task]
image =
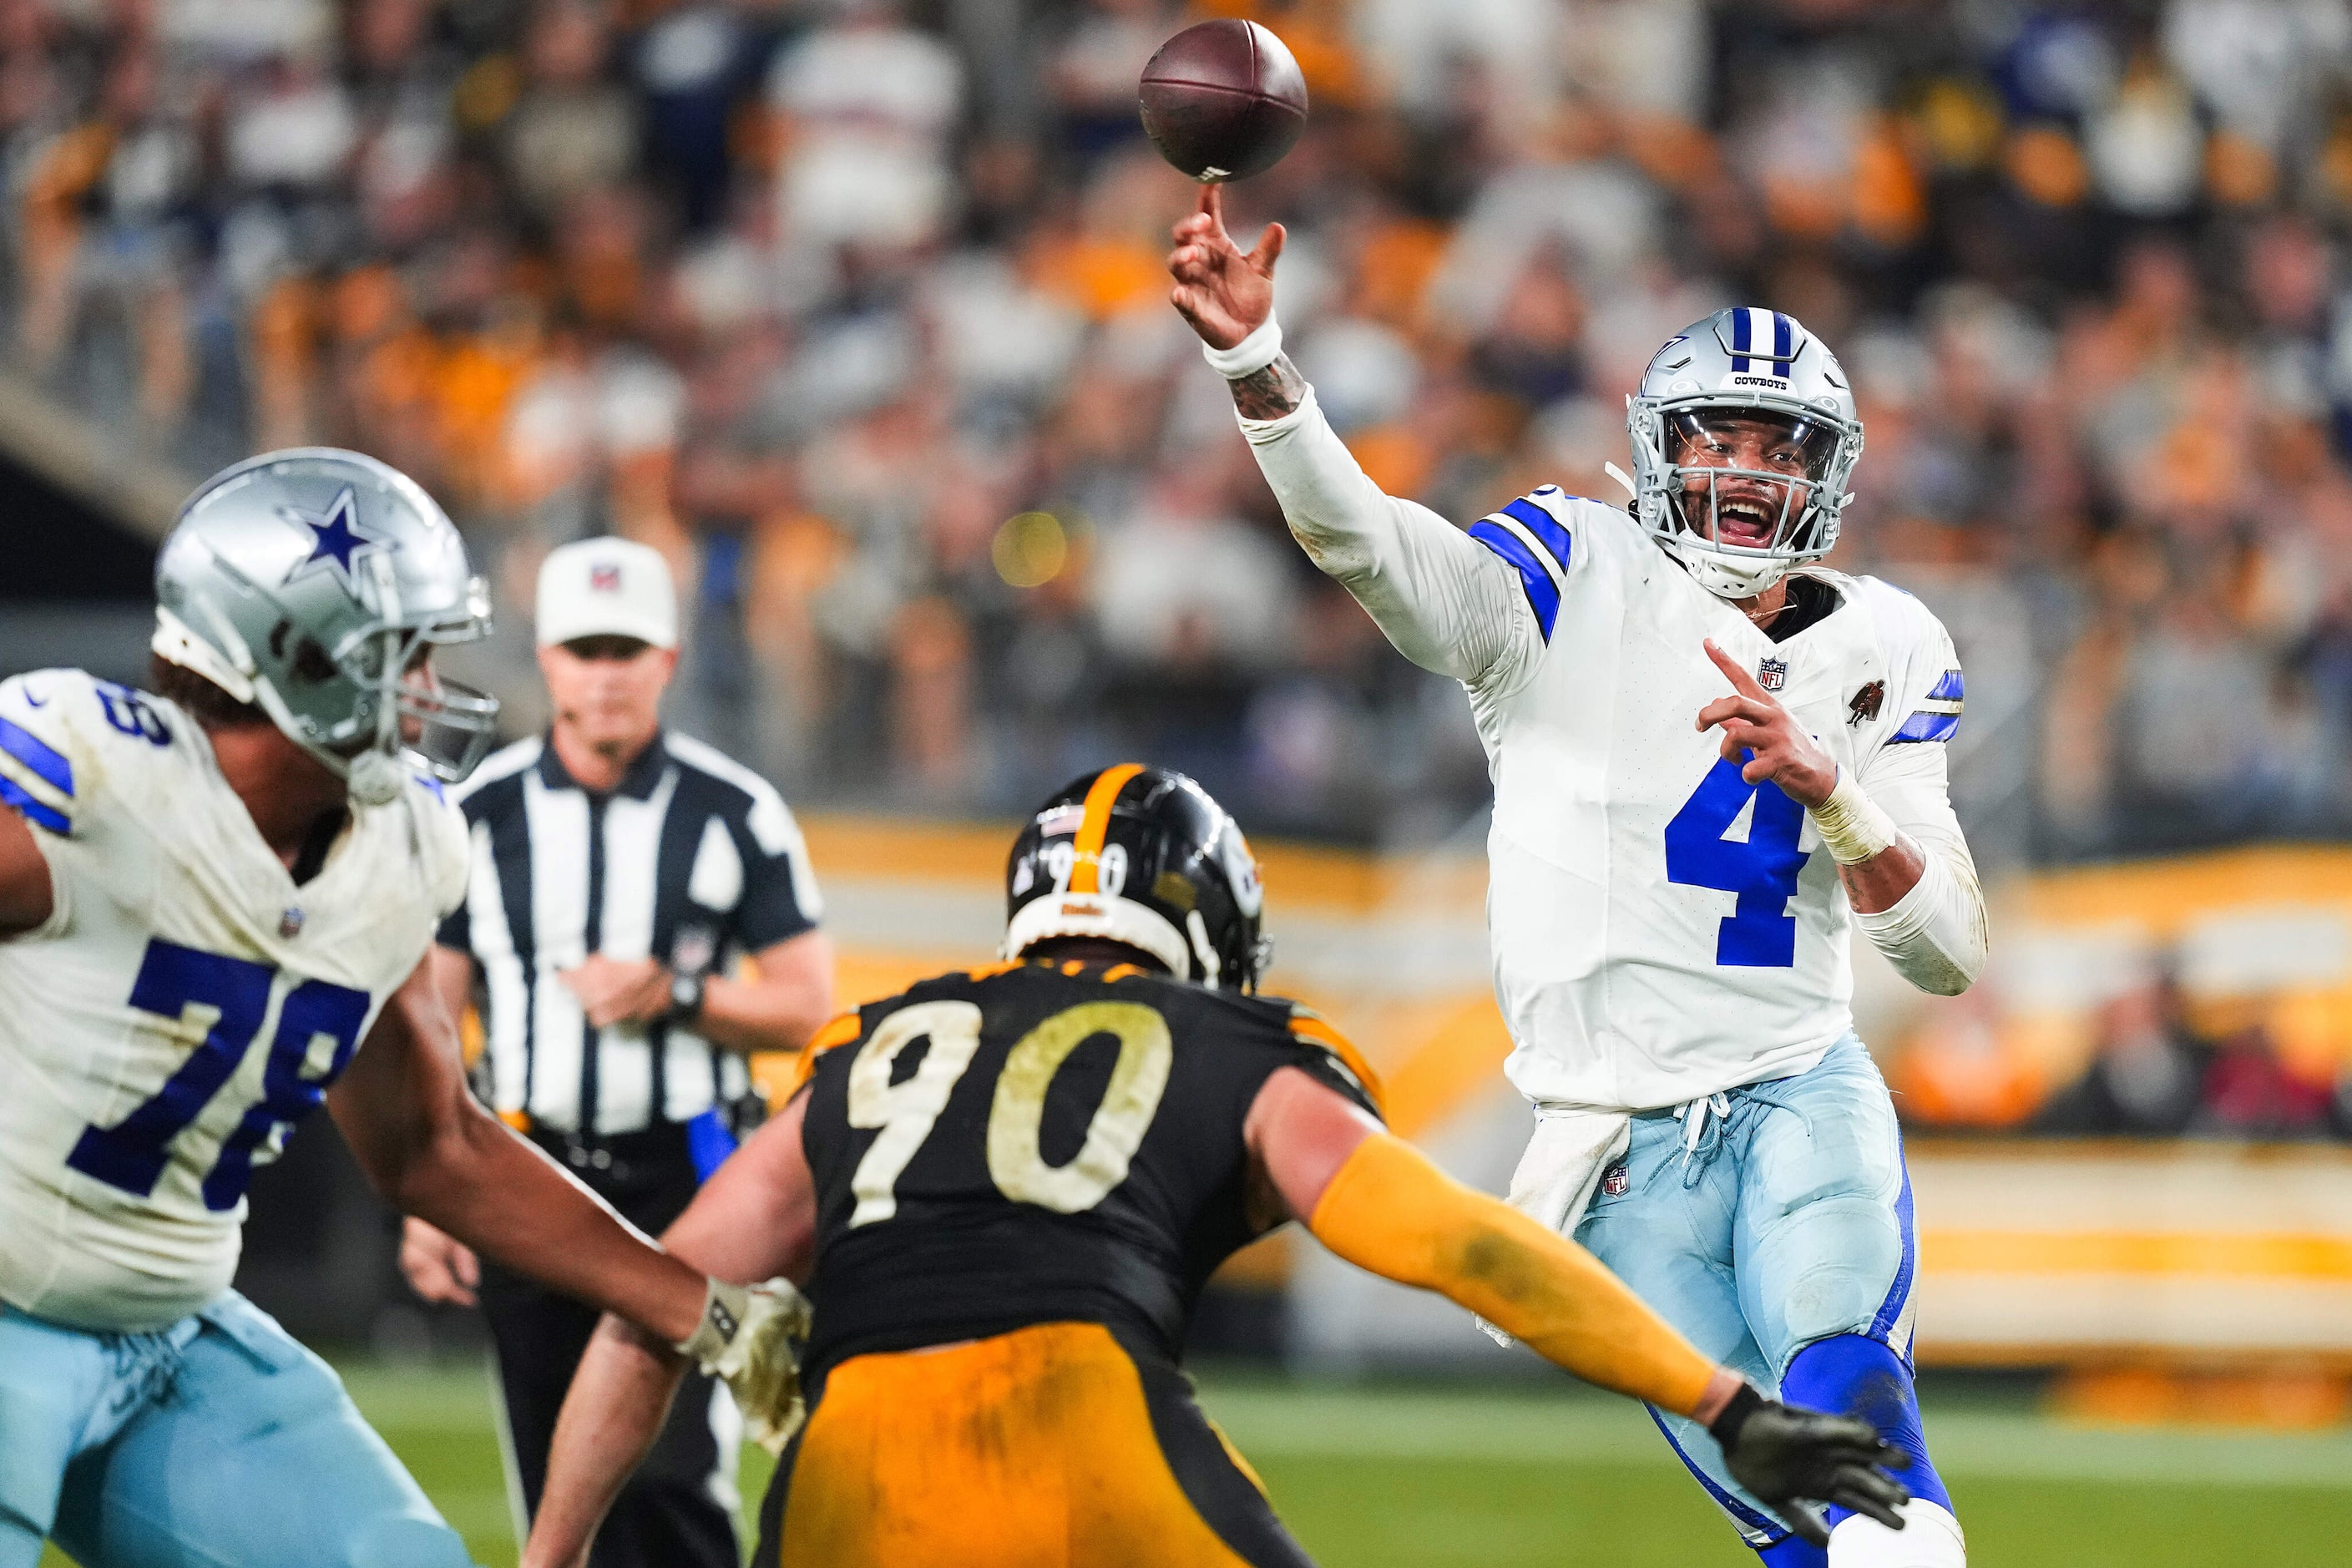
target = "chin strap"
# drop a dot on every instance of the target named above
(374, 779)
(1718, 577)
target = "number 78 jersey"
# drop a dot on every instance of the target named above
(185, 1003)
(1662, 930)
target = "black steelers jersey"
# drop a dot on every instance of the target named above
(1039, 1143)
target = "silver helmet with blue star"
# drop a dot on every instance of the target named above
(314, 584)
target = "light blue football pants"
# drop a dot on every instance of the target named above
(216, 1443)
(1777, 1236)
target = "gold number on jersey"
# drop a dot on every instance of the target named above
(905, 1111)
(1014, 1120)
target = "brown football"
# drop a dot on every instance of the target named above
(1223, 101)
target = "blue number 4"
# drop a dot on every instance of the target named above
(1759, 932)
(131, 1153)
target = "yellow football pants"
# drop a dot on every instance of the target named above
(1050, 1446)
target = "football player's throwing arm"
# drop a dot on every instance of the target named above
(1457, 608)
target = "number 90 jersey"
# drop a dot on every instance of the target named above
(1042, 1142)
(186, 1002)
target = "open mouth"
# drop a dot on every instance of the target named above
(1741, 521)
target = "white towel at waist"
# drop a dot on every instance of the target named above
(1562, 1168)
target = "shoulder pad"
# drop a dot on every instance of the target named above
(842, 1029)
(1309, 1028)
(39, 746)
(1532, 539)
(63, 732)
(1925, 685)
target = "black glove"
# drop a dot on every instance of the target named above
(1783, 1454)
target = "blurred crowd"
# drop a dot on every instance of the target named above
(855, 308)
(2155, 1061)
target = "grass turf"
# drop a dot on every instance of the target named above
(1384, 1476)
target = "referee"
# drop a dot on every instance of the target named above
(619, 871)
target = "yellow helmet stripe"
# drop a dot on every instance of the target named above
(1087, 865)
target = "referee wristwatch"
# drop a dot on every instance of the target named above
(686, 990)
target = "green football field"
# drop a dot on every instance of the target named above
(1386, 1476)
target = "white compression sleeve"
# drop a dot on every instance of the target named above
(1448, 603)
(1937, 935)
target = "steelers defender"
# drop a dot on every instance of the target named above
(215, 901)
(1711, 758)
(1005, 1190)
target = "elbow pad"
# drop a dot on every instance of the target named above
(1388, 1210)
(1935, 935)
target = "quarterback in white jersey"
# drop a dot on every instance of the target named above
(1711, 757)
(215, 904)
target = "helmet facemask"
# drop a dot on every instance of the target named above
(402, 716)
(1743, 490)
(1744, 436)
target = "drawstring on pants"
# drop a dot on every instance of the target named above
(1702, 1120)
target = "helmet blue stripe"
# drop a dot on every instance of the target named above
(1543, 593)
(1783, 337)
(1739, 340)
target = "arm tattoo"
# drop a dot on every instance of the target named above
(1271, 393)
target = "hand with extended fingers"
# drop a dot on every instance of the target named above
(1225, 293)
(1752, 721)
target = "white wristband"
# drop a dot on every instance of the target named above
(1250, 355)
(1852, 826)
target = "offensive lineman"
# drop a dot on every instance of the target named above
(1005, 1190)
(1670, 954)
(213, 901)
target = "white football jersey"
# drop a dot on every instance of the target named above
(1661, 929)
(185, 1003)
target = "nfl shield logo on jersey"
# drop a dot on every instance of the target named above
(289, 924)
(1772, 673)
(1614, 1182)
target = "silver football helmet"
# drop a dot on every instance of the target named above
(314, 582)
(1745, 438)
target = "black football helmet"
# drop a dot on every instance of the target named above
(1141, 856)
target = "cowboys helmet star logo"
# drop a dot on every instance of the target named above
(337, 537)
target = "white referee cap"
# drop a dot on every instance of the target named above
(607, 587)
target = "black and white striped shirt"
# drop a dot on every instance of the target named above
(693, 858)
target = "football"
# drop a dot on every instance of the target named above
(1223, 101)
